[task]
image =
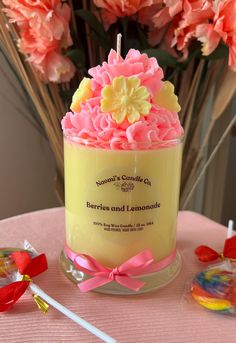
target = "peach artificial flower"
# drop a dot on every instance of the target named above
(222, 27)
(194, 14)
(49, 19)
(169, 9)
(164, 23)
(114, 9)
(178, 19)
(209, 38)
(146, 14)
(58, 68)
(179, 22)
(225, 26)
(125, 98)
(44, 32)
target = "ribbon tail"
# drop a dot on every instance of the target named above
(128, 282)
(92, 283)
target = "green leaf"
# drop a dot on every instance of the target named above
(132, 43)
(163, 58)
(77, 56)
(143, 38)
(96, 26)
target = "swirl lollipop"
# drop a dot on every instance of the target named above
(215, 287)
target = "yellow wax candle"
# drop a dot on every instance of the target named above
(121, 202)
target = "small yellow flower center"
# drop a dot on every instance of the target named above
(125, 98)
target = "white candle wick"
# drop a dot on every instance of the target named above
(118, 45)
(230, 228)
(100, 334)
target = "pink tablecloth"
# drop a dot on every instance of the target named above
(167, 315)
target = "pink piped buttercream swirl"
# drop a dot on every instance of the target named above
(134, 64)
(95, 128)
(99, 130)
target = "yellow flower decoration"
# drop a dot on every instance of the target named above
(83, 93)
(166, 97)
(125, 98)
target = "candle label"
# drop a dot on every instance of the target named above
(122, 202)
(122, 208)
(124, 182)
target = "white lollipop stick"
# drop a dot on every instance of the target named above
(118, 45)
(100, 334)
(38, 291)
(230, 228)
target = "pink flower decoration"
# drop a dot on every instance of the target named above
(95, 128)
(134, 64)
(44, 31)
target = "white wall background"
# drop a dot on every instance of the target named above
(26, 162)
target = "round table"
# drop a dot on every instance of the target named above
(168, 315)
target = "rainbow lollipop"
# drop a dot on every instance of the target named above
(215, 287)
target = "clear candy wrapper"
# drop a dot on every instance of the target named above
(8, 268)
(17, 268)
(215, 288)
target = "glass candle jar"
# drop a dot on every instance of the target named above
(119, 203)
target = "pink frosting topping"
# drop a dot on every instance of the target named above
(134, 64)
(95, 128)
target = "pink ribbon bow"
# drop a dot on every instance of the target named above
(140, 264)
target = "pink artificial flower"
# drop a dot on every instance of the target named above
(164, 23)
(175, 6)
(48, 18)
(146, 14)
(58, 68)
(114, 9)
(167, 12)
(221, 26)
(44, 32)
(195, 13)
(179, 22)
(209, 38)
